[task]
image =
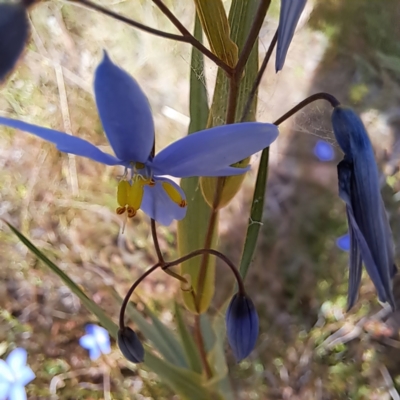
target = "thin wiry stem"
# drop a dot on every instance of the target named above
(129, 294)
(253, 35)
(317, 96)
(129, 21)
(156, 243)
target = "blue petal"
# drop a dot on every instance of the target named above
(124, 112)
(288, 19)
(206, 152)
(65, 143)
(343, 122)
(355, 271)
(158, 205)
(102, 339)
(25, 375)
(88, 342)
(4, 390)
(17, 360)
(6, 374)
(362, 220)
(343, 242)
(17, 392)
(324, 151)
(13, 35)
(241, 326)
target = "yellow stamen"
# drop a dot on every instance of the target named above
(174, 194)
(139, 165)
(122, 193)
(135, 193)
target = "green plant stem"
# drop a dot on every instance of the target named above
(252, 37)
(200, 345)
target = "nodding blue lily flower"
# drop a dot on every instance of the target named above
(288, 18)
(15, 375)
(14, 27)
(128, 124)
(241, 326)
(324, 151)
(96, 341)
(370, 234)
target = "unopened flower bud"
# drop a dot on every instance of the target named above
(241, 326)
(130, 345)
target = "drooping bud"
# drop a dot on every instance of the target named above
(231, 186)
(241, 326)
(14, 30)
(130, 345)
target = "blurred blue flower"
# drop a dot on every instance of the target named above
(15, 375)
(370, 234)
(324, 151)
(96, 341)
(343, 242)
(288, 18)
(241, 326)
(13, 35)
(128, 124)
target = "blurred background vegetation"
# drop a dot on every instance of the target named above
(309, 348)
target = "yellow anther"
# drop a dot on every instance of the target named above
(131, 212)
(120, 210)
(135, 193)
(122, 193)
(174, 194)
(139, 165)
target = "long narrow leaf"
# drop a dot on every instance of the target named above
(192, 229)
(192, 354)
(88, 303)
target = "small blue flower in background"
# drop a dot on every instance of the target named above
(15, 375)
(371, 239)
(128, 124)
(96, 341)
(343, 242)
(241, 326)
(288, 18)
(324, 151)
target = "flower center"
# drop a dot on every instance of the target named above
(130, 192)
(130, 196)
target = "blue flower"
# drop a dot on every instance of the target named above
(288, 18)
(13, 35)
(128, 124)
(343, 242)
(15, 375)
(370, 234)
(324, 151)
(241, 326)
(96, 341)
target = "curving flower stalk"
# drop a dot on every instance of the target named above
(128, 124)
